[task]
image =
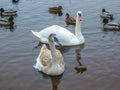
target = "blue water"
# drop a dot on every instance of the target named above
(99, 55)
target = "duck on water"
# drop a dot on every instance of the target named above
(106, 14)
(7, 21)
(7, 12)
(56, 10)
(110, 25)
(69, 20)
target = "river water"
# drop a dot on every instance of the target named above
(92, 66)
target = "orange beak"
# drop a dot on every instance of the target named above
(80, 17)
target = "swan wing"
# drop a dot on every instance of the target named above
(60, 59)
(44, 59)
(64, 36)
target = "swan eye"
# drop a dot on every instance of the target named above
(79, 14)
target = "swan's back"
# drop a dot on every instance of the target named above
(58, 30)
(44, 58)
(65, 36)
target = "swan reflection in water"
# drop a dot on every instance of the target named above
(80, 68)
(55, 80)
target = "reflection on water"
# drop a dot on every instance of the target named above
(11, 27)
(15, 1)
(64, 49)
(55, 80)
(80, 68)
(59, 14)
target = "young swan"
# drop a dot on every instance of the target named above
(50, 61)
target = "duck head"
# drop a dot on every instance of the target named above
(60, 7)
(103, 10)
(67, 14)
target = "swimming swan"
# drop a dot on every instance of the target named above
(65, 37)
(50, 61)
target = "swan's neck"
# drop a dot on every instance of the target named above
(53, 52)
(78, 28)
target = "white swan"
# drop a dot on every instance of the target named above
(50, 61)
(65, 37)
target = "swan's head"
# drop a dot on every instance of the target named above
(79, 15)
(53, 39)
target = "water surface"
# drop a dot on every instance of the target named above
(100, 53)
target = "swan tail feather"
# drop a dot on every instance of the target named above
(37, 34)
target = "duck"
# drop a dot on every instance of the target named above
(66, 38)
(8, 12)
(50, 61)
(4, 21)
(69, 20)
(55, 9)
(111, 26)
(7, 21)
(106, 14)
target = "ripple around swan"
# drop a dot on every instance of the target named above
(93, 66)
